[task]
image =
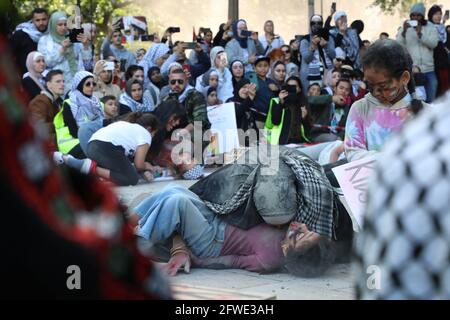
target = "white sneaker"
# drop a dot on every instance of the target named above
(87, 166)
(58, 158)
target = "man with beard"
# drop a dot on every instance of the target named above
(26, 37)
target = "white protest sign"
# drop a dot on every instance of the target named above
(353, 178)
(224, 134)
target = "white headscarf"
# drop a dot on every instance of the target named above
(37, 77)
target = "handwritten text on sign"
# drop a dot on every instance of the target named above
(353, 178)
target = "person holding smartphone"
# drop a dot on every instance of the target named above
(421, 41)
(440, 54)
(59, 52)
(244, 46)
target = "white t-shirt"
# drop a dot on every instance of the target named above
(125, 134)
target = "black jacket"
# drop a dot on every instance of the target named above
(22, 45)
(31, 88)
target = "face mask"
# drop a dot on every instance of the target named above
(193, 174)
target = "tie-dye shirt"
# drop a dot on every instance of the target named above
(370, 124)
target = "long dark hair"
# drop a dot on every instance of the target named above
(170, 109)
(394, 59)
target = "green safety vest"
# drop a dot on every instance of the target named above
(273, 132)
(64, 139)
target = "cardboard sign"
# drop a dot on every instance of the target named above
(224, 133)
(353, 178)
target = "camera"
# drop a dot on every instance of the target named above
(174, 29)
(148, 37)
(333, 6)
(73, 34)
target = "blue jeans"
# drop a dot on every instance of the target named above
(86, 131)
(431, 86)
(176, 209)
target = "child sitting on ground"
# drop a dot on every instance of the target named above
(110, 106)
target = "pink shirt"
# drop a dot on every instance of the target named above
(257, 249)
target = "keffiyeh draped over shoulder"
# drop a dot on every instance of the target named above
(30, 29)
(144, 105)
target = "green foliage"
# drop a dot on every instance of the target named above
(100, 12)
(403, 6)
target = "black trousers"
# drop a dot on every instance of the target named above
(112, 157)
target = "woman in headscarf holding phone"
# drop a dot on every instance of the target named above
(243, 47)
(59, 52)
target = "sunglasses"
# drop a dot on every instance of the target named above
(316, 23)
(285, 51)
(172, 82)
(339, 60)
(90, 84)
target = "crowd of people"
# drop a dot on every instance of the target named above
(118, 114)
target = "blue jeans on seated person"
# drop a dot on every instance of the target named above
(431, 86)
(86, 131)
(176, 209)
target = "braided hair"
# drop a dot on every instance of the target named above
(394, 59)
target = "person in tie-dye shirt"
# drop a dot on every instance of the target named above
(389, 103)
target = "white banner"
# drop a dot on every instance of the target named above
(224, 133)
(353, 179)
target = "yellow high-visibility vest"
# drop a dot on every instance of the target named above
(64, 139)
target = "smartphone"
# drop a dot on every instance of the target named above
(333, 6)
(298, 37)
(109, 66)
(190, 45)
(148, 37)
(174, 29)
(447, 13)
(412, 23)
(73, 34)
(246, 33)
(204, 30)
(289, 88)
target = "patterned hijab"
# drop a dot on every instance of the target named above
(144, 105)
(154, 53)
(89, 107)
